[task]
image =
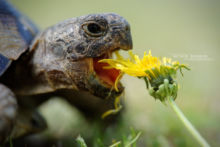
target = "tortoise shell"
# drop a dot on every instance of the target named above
(16, 34)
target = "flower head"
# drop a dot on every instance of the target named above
(152, 69)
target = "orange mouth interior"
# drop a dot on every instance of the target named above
(109, 76)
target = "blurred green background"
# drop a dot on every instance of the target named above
(188, 31)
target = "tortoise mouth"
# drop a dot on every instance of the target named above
(107, 76)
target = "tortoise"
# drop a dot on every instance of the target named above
(60, 61)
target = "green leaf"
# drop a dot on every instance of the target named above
(81, 141)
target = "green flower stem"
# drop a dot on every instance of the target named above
(187, 123)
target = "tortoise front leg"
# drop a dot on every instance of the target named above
(8, 108)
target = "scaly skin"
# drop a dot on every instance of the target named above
(8, 108)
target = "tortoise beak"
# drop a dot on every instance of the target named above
(126, 42)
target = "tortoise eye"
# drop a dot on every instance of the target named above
(94, 29)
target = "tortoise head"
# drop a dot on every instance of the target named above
(69, 52)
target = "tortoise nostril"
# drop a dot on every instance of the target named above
(127, 28)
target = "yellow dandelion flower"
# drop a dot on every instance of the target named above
(149, 66)
(152, 69)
